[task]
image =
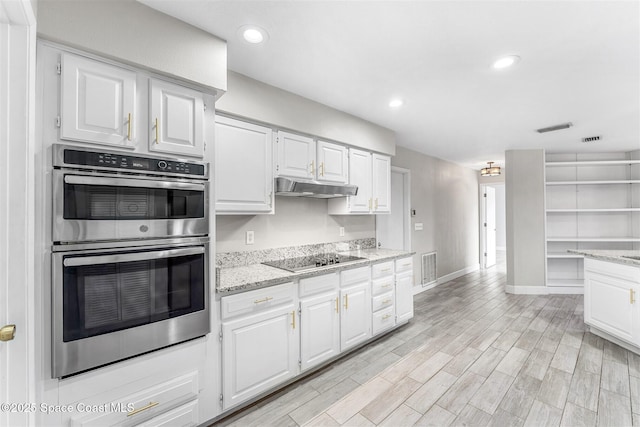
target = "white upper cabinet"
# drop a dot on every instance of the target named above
(332, 163)
(381, 192)
(371, 173)
(98, 102)
(176, 114)
(296, 156)
(243, 167)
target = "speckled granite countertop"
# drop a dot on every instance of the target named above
(245, 278)
(610, 255)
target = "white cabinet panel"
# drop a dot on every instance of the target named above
(404, 296)
(97, 102)
(320, 329)
(355, 317)
(296, 156)
(332, 162)
(243, 167)
(360, 175)
(177, 116)
(259, 352)
(381, 192)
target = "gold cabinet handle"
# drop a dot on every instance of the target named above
(385, 269)
(337, 305)
(386, 285)
(157, 132)
(406, 264)
(632, 298)
(369, 204)
(386, 316)
(376, 203)
(313, 169)
(346, 301)
(129, 128)
(144, 408)
(293, 319)
(387, 301)
(7, 332)
(322, 169)
(267, 299)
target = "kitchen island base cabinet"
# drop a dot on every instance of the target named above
(611, 301)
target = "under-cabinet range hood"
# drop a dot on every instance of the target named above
(299, 188)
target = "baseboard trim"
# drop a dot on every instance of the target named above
(444, 279)
(543, 290)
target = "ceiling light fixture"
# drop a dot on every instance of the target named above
(490, 170)
(506, 61)
(395, 103)
(555, 127)
(254, 35)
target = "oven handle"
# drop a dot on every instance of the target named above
(138, 256)
(124, 182)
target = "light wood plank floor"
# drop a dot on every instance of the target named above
(472, 356)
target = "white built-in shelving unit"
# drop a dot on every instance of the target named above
(592, 202)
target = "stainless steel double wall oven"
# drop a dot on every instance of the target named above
(130, 255)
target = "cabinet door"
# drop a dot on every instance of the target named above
(355, 316)
(320, 329)
(243, 167)
(381, 192)
(296, 156)
(360, 175)
(97, 102)
(332, 163)
(611, 304)
(258, 353)
(404, 296)
(176, 114)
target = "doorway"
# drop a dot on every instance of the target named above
(492, 224)
(393, 231)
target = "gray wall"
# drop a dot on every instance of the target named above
(445, 197)
(128, 31)
(501, 225)
(257, 101)
(525, 218)
(297, 221)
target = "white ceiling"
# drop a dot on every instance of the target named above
(580, 63)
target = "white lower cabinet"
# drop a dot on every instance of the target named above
(404, 289)
(320, 328)
(611, 299)
(259, 351)
(355, 312)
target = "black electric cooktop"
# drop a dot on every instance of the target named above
(309, 263)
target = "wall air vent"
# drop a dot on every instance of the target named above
(592, 138)
(555, 127)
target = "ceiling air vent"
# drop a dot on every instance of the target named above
(556, 127)
(592, 138)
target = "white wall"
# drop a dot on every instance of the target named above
(257, 101)
(525, 218)
(128, 31)
(297, 221)
(445, 197)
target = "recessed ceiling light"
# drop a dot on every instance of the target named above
(395, 103)
(254, 35)
(506, 61)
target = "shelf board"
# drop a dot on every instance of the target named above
(595, 163)
(593, 239)
(593, 210)
(599, 182)
(565, 282)
(563, 255)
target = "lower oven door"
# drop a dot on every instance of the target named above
(109, 305)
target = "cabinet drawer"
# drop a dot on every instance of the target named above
(381, 270)
(381, 286)
(404, 264)
(256, 301)
(383, 319)
(382, 301)
(621, 271)
(317, 284)
(356, 275)
(152, 402)
(185, 415)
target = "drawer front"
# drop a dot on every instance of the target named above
(382, 301)
(317, 284)
(146, 404)
(404, 264)
(383, 320)
(355, 275)
(620, 271)
(185, 415)
(381, 286)
(382, 270)
(256, 301)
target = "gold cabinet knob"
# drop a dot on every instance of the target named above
(7, 332)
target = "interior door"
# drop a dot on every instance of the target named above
(391, 229)
(490, 227)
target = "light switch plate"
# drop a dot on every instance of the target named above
(417, 226)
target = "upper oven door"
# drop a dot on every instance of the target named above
(98, 207)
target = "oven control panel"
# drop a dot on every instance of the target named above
(130, 163)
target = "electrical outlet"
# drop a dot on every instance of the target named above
(249, 238)
(341, 231)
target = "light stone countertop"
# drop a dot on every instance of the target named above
(232, 280)
(617, 256)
